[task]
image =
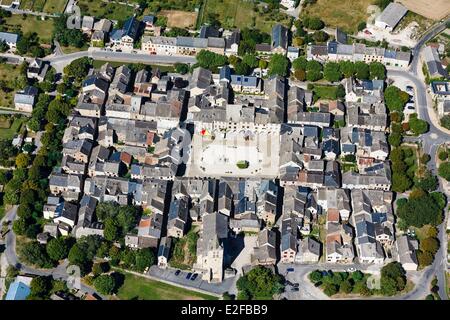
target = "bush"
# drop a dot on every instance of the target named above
(330, 289)
(443, 155)
(444, 170)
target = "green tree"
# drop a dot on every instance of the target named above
(35, 254)
(332, 72)
(393, 278)
(417, 125)
(111, 231)
(251, 60)
(330, 289)
(105, 284)
(346, 287)
(40, 287)
(395, 98)
(395, 139)
(300, 63)
(316, 276)
(259, 283)
(377, 71)
(57, 249)
(278, 65)
(78, 69)
(22, 160)
(242, 69)
(418, 212)
(357, 275)
(181, 68)
(361, 70)
(210, 60)
(347, 68)
(144, 258)
(400, 182)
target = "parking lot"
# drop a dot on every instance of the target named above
(169, 275)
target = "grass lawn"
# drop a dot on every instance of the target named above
(99, 9)
(43, 28)
(139, 288)
(55, 6)
(325, 92)
(8, 73)
(8, 133)
(71, 49)
(345, 14)
(26, 4)
(241, 14)
(98, 63)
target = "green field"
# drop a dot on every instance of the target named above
(55, 6)
(8, 133)
(43, 28)
(50, 6)
(241, 14)
(101, 10)
(139, 288)
(98, 63)
(345, 14)
(8, 73)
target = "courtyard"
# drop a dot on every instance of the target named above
(234, 154)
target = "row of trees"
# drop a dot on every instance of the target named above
(392, 281)
(335, 71)
(343, 282)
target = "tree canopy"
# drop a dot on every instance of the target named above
(259, 283)
(278, 65)
(395, 98)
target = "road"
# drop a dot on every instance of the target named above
(59, 272)
(430, 34)
(430, 142)
(60, 61)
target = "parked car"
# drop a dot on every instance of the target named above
(410, 89)
(194, 276)
(295, 285)
(189, 275)
(290, 269)
(351, 269)
(295, 289)
(177, 273)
